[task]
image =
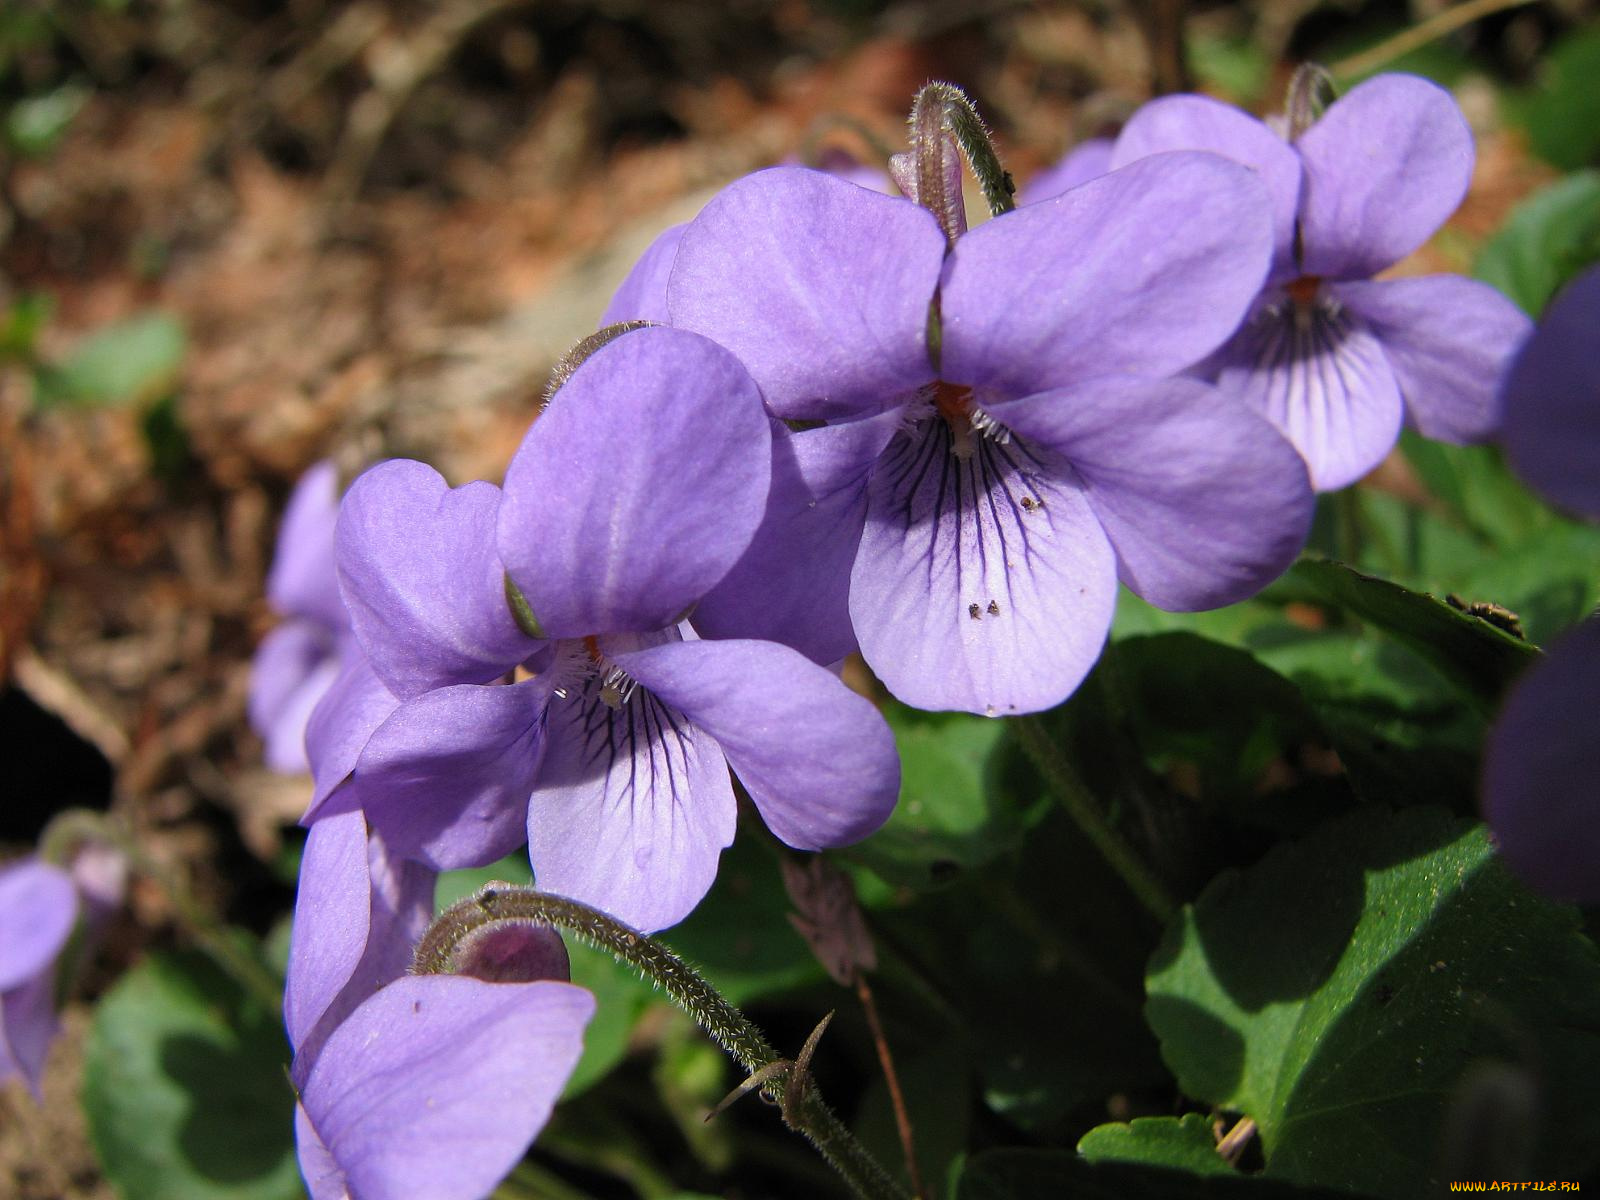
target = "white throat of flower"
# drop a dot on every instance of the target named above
(959, 410)
(578, 661)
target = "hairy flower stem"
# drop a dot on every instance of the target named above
(1310, 92)
(76, 826)
(1069, 788)
(802, 1107)
(942, 113)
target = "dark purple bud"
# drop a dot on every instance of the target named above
(512, 951)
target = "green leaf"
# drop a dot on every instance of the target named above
(21, 325)
(1185, 1143)
(1001, 949)
(36, 123)
(620, 1000)
(1546, 241)
(739, 936)
(185, 1087)
(1401, 733)
(939, 1102)
(453, 886)
(1342, 991)
(132, 362)
(953, 815)
(1477, 657)
(1562, 112)
(1235, 66)
(1054, 1174)
(1480, 491)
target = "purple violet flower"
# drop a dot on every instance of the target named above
(630, 498)
(41, 906)
(966, 506)
(1552, 401)
(426, 1085)
(297, 662)
(1542, 757)
(38, 909)
(1334, 358)
(1088, 160)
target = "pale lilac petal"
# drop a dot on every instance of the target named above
(1540, 767)
(302, 581)
(423, 581)
(1145, 270)
(294, 667)
(1201, 123)
(638, 488)
(633, 808)
(38, 908)
(1205, 502)
(28, 1025)
(819, 286)
(1321, 377)
(1449, 342)
(342, 723)
(1085, 161)
(642, 296)
(984, 584)
(817, 759)
(436, 1085)
(358, 915)
(1552, 401)
(445, 780)
(1384, 167)
(324, 1179)
(332, 912)
(793, 583)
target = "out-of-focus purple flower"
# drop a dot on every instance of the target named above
(38, 909)
(1087, 160)
(1552, 401)
(1540, 768)
(297, 662)
(1543, 756)
(429, 1085)
(968, 505)
(41, 905)
(1334, 358)
(635, 491)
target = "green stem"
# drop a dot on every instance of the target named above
(1074, 796)
(728, 1027)
(76, 826)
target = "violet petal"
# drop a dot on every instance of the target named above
(436, 1085)
(984, 584)
(817, 759)
(793, 583)
(1322, 378)
(820, 287)
(632, 809)
(1539, 771)
(1449, 342)
(445, 780)
(1201, 123)
(642, 296)
(638, 488)
(423, 581)
(1552, 401)
(1384, 167)
(1205, 502)
(1145, 270)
